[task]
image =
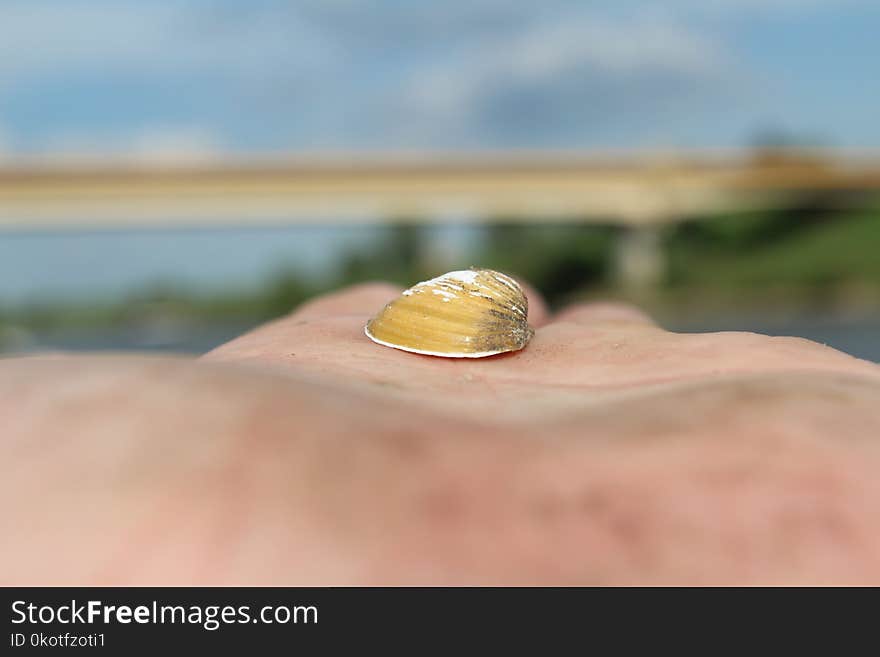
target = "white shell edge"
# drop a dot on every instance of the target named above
(479, 354)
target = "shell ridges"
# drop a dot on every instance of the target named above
(462, 314)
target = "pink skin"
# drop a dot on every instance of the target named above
(609, 451)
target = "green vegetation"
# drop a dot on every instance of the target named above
(747, 253)
(558, 259)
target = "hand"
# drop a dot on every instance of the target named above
(608, 451)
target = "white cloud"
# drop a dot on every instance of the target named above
(770, 5)
(596, 63)
(762, 7)
(58, 37)
(36, 37)
(165, 144)
(343, 73)
(5, 150)
(170, 144)
(614, 47)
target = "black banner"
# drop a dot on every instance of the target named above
(125, 619)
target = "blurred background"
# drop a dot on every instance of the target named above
(175, 172)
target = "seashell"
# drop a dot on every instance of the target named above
(462, 314)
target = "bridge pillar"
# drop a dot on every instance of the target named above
(639, 259)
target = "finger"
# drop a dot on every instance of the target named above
(603, 313)
(355, 304)
(538, 312)
(362, 299)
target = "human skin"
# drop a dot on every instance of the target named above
(609, 451)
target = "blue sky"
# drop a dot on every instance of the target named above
(202, 77)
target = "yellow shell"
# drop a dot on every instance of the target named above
(462, 314)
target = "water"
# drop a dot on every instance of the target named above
(858, 336)
(93, 265)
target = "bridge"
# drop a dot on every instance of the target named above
(642, 191)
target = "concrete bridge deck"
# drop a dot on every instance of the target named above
(638, 189)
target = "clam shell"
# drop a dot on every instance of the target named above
(462, 314)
